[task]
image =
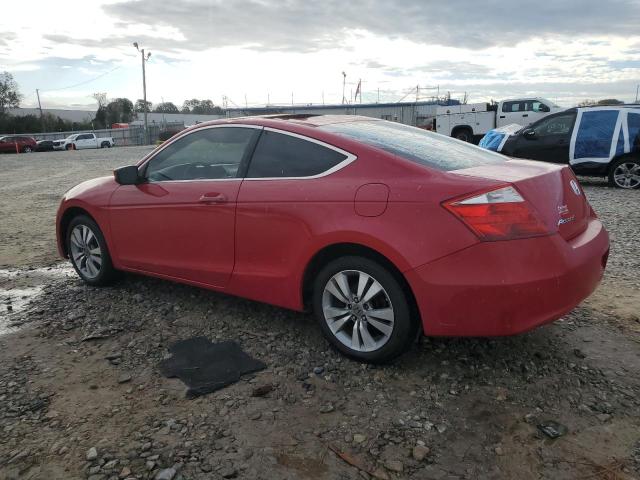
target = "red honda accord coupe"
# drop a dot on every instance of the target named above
(383, 230)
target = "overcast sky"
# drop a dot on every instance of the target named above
(565, 50)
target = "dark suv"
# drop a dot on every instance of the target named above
(17, 143)
(587, 148)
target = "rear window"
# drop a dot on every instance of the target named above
(420, 146)
(278, 155)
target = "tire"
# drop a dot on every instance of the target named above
(27, 149)
(70, 146)
(463, 134)
(98, 270)
(397, 327)
(104, 145)
(625, 173)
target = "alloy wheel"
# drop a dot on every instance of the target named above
(358, 310)
(85, 251)
(627, 175)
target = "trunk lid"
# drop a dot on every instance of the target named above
(552, 190)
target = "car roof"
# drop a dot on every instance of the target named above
(302, 119)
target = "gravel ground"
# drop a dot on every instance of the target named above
(81, 396)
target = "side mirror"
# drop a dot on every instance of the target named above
(529, 133)
(127, 175)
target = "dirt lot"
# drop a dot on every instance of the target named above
(81, 396)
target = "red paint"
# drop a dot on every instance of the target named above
(16, 143)
(255, 238)
(371, 199)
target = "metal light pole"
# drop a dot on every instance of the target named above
(42, 116)
(144, 89)
(344, 83)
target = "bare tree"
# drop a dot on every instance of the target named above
(9, 93)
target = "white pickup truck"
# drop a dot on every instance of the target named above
(78, 141)
(471, 121)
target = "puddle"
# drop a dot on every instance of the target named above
(19, 287)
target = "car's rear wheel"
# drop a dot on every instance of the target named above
(27, 149)
(88, 252)
(625, 173)
(363, 310)
(105, 145)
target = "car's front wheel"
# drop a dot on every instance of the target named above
(27, 149)
(88, 252)
(625, 173)
(363, 309)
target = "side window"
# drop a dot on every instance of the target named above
(278, 155)
(511, 107)
(560, 125)
(209, 153)
(536, 106)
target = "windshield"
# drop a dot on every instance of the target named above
(420, 146)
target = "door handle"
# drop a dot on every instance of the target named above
(213, 198)
(525, 115)
(502, 116)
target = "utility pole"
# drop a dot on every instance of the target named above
(40, 108)
(344, 83)
(637, 90)
(144, 90)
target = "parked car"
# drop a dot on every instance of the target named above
(469, 122)
(79, 141)
(17, 143)
(44, 145)
(381, 229)
(600, 142)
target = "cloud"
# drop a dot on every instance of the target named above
(305, 26)
(164, 44)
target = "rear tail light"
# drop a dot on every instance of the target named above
(500, 214)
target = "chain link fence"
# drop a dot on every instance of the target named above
(132, 135)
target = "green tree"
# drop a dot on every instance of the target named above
(201, 107)
(9, 93)
(139, 106)
(610, 101)
(118, 110)
(166, 107)
(33, 124)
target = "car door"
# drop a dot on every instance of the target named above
(83, 141)
(286, 186)
(6, 145)
(511, 112)
(548, 139)
(536, 110)
(180, 221)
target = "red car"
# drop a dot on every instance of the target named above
(383, 230)
(17, 144)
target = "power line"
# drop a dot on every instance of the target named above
(84, 82)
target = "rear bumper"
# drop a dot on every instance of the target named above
(505, 288)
